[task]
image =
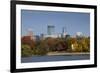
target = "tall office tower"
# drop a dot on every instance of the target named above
(50, 29)
(64, 32)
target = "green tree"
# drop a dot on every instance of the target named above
(26, 50)
(85, 44)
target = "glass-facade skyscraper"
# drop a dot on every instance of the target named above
(50, 29)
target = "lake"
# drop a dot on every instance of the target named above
(55, 58)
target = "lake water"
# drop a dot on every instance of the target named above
(55, 58)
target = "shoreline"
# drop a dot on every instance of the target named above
(64, 53)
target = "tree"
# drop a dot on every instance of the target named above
(51, 43)
(70, 42)
(40, 48)
(85, 44)
(28, 41)
(26, 50)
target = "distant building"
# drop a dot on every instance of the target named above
(79, 34)
(41, 36)
(50, 29)
(64, 32)
(30, 34)
(51, 33)
(37, 38)
(53, 36)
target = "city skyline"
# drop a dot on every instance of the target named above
(38, 21)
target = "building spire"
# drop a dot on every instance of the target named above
(64, 32)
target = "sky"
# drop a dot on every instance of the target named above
(38, 21)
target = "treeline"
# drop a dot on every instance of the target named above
(31, 47)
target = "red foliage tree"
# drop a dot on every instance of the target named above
(28, 41)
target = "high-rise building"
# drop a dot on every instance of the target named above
(50, 29)
(64, 32)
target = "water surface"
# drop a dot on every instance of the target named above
(55, 58)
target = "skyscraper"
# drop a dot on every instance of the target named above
(50, 29)
(64, 33)
(64, 30)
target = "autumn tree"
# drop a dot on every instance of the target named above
(28, 41)
(85, 44)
